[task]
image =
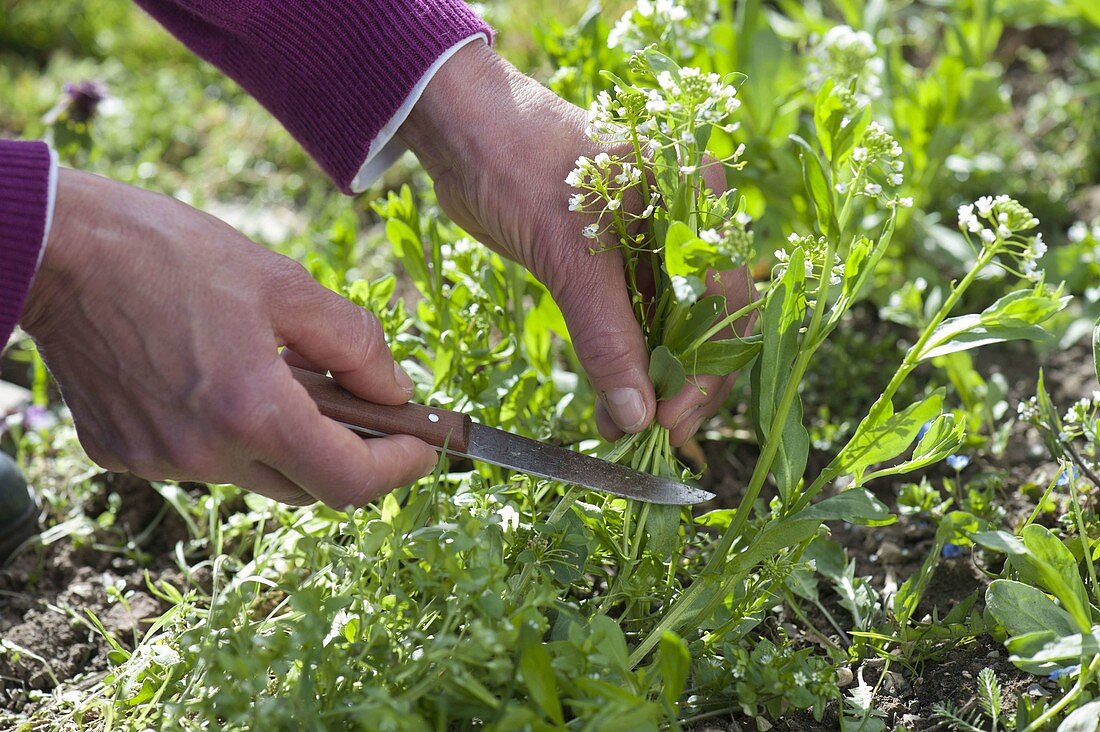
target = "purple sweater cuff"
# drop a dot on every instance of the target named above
(24, 197)
(333, 72)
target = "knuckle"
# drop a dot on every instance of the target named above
(367, 339)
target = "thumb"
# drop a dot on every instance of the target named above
(334, 334)
(607, 338)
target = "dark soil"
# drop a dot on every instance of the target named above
(47, 591)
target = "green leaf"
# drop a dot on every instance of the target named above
(1096, 349)
(686, 325)
(1022, 308)
(1015, 316)
(674, 661)
(685, 253)
(663, 526)
(1022, 609)
(783, 315)
(818, 188)
(999, 541)
(1053, 566)
(538, 676)
(666, 372)
(854, 505)
(944, 437)
(723, 357)
(883, 435)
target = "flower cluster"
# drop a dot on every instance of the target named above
(999, 223)
(676, 27)
(1081, 419)
(814, 250)
(732, 239)
(876, 164)
(849, 57)
(667, 113)
(602, 183)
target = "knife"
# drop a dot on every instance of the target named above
(459, 435)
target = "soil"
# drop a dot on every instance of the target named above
(48, 590)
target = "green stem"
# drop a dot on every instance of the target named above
(1082, 681)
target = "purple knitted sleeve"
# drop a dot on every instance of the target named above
(332, 71)
(24, 197)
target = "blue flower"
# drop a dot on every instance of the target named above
(951, 551)
(1065, 475)
(924, 430)
(957, 462)
(1064, 671)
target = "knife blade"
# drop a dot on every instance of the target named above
(459, 435)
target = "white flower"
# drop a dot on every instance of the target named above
(872, 189)
(576, 202)
(896, 179)
(687, 169)
(711, 236)
(573, 179)
(987, 236)
(841, 188)
(793, 238)
(1003, 231)
(591, 231)
(906, 202)
(743, 218)
(984, 205)
(1038, 247)
(1077, 232)
(859, 154)
(602, 160)
(614, 204)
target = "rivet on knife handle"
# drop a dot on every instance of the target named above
(437, 427)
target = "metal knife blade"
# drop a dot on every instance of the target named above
(456, 433)
(508, 450)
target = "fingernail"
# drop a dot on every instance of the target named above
(627, 408)
(402, 378)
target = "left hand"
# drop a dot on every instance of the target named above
(498, 146)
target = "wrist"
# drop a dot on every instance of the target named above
(58, 270)
(463, 115)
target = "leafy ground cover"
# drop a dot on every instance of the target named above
(905, 532)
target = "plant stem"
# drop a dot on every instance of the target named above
(1082, 681)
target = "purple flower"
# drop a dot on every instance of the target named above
(957, 462)
(79, 101)
(951, 551)
(924, 430)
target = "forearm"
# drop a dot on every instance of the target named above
(334, 73)
(27, 181)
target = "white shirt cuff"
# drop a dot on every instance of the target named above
(385, 148)
(49, 207)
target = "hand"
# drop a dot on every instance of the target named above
(499, 146)
(162, 326)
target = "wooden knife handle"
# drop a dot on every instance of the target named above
(437, 427)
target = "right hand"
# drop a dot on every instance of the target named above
(162, 326)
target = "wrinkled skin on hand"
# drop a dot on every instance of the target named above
(162, 326)
(499, 147)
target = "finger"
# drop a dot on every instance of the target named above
(607, 427)
(267, 481)
(295, 359)
(329, 461)
(593, 298)
(692, 418)
(702, 396)
(340, 337)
